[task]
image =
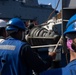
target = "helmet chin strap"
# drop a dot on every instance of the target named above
(23, 35)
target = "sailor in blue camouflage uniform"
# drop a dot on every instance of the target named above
(70, 36)
(16, 56)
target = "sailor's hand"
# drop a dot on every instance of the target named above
(52, 54)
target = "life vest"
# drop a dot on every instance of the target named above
(10, 61)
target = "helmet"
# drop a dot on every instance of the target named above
(2, 23)
(71, 25)
(15, 24)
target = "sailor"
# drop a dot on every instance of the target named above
(16, 56)
(2, 29)
(70, 36)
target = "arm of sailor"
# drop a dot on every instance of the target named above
(34, 61)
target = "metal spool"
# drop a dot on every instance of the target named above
(37, 32)
(40, 36)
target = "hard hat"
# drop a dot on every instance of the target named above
(2, 23)
(71, 25)
(15, 24)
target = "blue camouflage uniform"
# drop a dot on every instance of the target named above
(70, 69)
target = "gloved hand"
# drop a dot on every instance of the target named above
(52, 54)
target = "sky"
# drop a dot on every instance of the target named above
(52, 2)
